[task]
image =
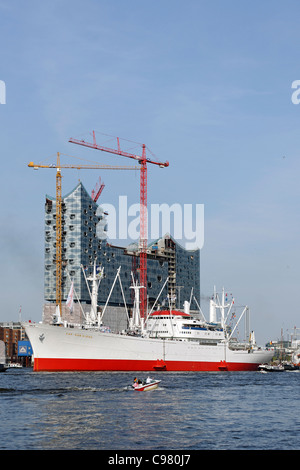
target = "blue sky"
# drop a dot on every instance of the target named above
(206, 86)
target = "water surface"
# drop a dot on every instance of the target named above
(189, 411)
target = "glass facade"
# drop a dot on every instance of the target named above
(81, 220)
(187, 275)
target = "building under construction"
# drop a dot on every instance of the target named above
(83, 227)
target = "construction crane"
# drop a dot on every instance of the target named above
(58, 167)
(143, 160)
(97, 190)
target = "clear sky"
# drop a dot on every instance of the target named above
(205, 85)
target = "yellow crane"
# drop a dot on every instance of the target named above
(58, 167)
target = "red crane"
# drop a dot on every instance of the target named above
(97, 191)
(143, 160)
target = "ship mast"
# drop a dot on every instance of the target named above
(136, 321)
(93, 317)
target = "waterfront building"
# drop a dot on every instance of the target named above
(84, 240)
(12, 334)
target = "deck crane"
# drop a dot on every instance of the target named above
(59, 166)
(143, 160)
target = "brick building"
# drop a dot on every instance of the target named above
(11, 333)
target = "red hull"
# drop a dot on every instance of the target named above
(41, 364)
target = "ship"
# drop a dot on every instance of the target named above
(166, 340)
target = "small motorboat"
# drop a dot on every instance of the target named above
(270, 368)
(290, 366)
(14, 365)
(144, 386)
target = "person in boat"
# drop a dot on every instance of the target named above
(148, 380)
(136, 382)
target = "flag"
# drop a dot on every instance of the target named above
(70, 298)
(98, 270)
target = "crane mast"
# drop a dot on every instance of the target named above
(58, 236)
(143, 234)
(143, 160)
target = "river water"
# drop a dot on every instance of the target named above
(189, 411)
